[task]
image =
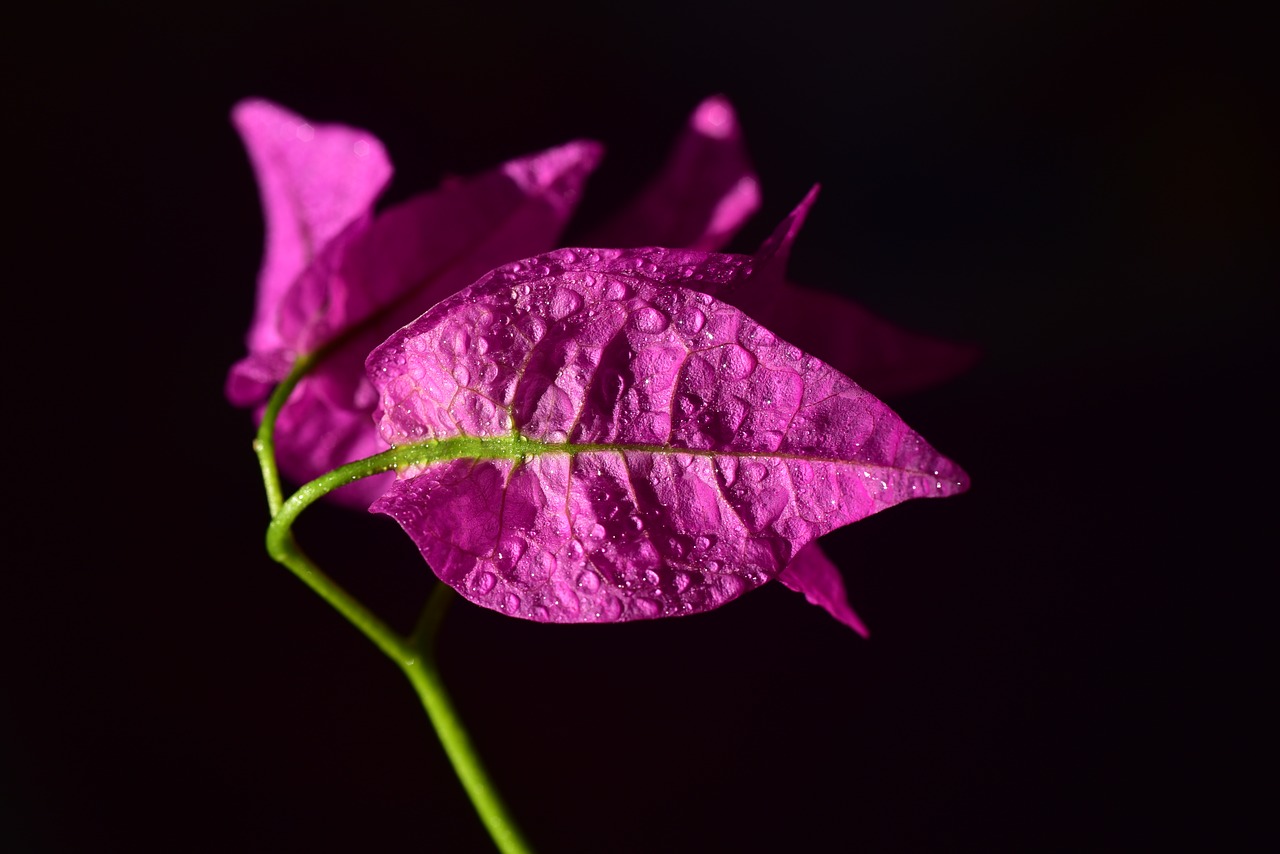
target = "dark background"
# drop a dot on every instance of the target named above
(1069, 657)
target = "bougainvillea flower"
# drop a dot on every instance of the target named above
(653, 451)
(335, 274)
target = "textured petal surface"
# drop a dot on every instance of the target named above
(705, 192)
(314, 180)
(380, 272)
(812, 573)
(685, 454)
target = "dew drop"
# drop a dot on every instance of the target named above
(484, 582)
(617, 290)
(649, 320)
(610, 609)
(564, 302)
(691, 320)
(762, 337)
(736, 363)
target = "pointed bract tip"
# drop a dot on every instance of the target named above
(715, 117)
(778, 244)
(261, 111)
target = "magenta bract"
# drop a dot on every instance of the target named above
(336, 279)
(692, 452)
(332, 271)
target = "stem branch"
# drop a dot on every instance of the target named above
(414, 655)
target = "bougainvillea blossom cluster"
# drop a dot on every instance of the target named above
(676, 452)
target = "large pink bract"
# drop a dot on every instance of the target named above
(338, 278)
(685, 453)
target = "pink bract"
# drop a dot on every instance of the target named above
(687, 454)
(337, 278)
(334, 272)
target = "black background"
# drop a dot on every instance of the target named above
(1069, 657)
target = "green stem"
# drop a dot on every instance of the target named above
(424, 673)
(264, 444)
(416, 654)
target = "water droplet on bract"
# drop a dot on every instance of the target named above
(484, 582)
(736, 363)
(691, 320)
(652, 577)
(563, 303)
(649, 320)
(617, 290)
(511, 603)
(762, 337)
(588, 581)
(610, 609)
